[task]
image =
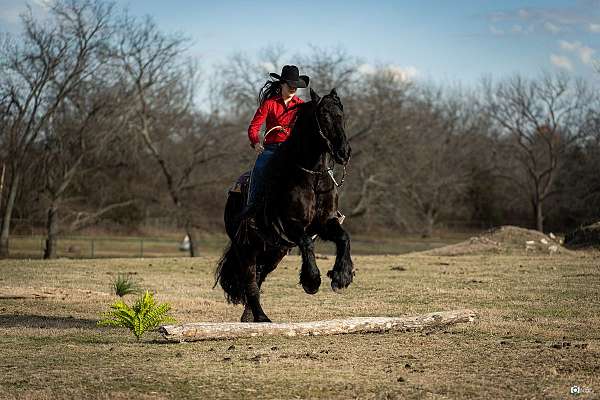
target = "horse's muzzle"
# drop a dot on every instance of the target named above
(342, 156)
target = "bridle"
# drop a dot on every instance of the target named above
(329, 170)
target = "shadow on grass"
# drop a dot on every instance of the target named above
(43, 321)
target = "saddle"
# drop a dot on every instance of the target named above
(242, 186)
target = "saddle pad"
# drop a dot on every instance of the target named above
(242, 185)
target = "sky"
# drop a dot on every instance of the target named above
(443, 41)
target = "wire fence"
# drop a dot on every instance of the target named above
(30, 243)
(32, 246)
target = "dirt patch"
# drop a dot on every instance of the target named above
(17, 293)
(505, 240)
(584, 237)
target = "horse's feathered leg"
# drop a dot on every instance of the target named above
(310, 276)
(265, 263)
(253, 291)
(342, 273)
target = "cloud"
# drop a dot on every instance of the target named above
(268, 66)
(580, 15)
(569, 46)
(403, 73)
(11, 10)
(561, 62)
(496, 31)
(44, 4)
(552, 28)
(397, 72)
(523, 13)
(594, 28)
(517, 29)
(366, 69)
(10, 15)
(584, 53)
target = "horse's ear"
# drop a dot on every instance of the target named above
(334, 93)
(314, 96)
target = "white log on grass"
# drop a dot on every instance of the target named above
(232, 330)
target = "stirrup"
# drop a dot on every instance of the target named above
(340, 217)
(251, 221)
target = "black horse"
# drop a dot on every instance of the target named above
(301, 201)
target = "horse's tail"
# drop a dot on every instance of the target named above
(230, 276)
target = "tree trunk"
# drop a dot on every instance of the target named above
(429, 223)
(539, 216)
(231, 330)
(10, 204)
(194, 242)
(50, 251)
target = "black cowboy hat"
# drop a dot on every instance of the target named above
(291, 75)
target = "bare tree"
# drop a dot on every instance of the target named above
(330, 68)
(86, 123)
(37, 73)
(162, 83)
(540, 119)
(241, 77)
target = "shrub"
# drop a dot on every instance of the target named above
(145, 315)
(123, 285)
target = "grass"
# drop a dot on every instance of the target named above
(538, 332)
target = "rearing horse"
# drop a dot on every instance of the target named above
(301, 201)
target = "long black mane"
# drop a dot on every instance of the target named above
(303, 151)
(301, 143)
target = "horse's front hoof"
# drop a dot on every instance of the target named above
(311, 289)
(340, 280)
(262, 318)
(311, 286)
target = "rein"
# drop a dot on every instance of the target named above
(329, 171)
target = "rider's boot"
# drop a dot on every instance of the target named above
(248, 213)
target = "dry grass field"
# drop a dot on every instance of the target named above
(538, 331)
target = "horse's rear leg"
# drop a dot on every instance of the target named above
(265, 263)
(342, 273)
(237, 275)
(253, 294)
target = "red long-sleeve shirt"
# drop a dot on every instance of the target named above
(276, 113)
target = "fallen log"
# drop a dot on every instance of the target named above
(232, 330)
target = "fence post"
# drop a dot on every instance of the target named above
(92, 248)
(142, 248)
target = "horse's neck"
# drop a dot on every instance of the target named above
(306, 146)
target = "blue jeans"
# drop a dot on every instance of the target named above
(257, 181)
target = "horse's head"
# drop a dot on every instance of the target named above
(329, 115)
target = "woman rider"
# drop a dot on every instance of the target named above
(278, 107)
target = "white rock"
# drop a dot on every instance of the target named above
(553, 249)
(552, 236)
(530, 242)
(543, 241)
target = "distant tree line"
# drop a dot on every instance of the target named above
(100, 123)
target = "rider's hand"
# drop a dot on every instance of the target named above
(258, 148)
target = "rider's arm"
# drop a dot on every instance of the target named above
(257, 121)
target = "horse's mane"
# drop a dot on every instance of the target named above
(290, 151)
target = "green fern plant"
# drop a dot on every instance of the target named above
(143, 316)
(123, 285)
